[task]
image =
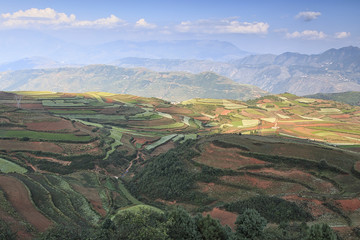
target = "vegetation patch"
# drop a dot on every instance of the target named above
(44, 136)
(273, 209)
(161, 141)
(7, 167)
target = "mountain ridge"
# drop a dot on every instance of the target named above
(173, 86)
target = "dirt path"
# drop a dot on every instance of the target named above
(18, 196)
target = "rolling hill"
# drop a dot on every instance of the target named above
(352, 98)
(82, 159)
(172, 86)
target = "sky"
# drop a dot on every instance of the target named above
(257, 26)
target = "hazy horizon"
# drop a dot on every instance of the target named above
(309, 27)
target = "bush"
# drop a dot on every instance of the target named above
(273, 209)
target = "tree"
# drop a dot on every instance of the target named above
(321, 232)
(5, 231)
(210, 228)
(250, 224)
(181, 225)
(140, 224)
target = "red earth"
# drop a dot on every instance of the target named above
(52, 126)
(14, 145)
(18, 196)
(225, 217)
(15, 225)
(92, 195)
(218, 157)
(349, 204)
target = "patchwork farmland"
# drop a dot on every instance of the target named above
(85, 157)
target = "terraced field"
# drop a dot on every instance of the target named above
(82, 157)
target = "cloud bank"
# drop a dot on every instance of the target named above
(223, 26)
(307, 34)
(308, 16)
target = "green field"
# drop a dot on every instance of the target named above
(160, 141)
(169, 126)
(43, 136)
(115, 134)
(7, 167)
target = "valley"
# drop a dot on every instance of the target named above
(81, 158)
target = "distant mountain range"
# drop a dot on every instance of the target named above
(336, 70)
(173, 86)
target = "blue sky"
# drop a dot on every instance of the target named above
(268, 26)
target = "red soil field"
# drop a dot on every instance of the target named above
(14, 145)
(313, 205)
(80, 148)
(65, 163)
(61, 125)
(225, 112)
(28, 105)
(15, 225)
(140, 140)
(250, 180)
(340, 116)
(357, 166)
(349, 204)
(225, 217)
(163, 148)
(175, 110)
(18, 195)
(92, 195)
(225, 158)
(202, 118)
(294, 174)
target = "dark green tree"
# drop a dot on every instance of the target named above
(181, 225)
(63, 232)
(210, 228)
(321, 232)
(250, 224)
(140, 224)
(5, 231)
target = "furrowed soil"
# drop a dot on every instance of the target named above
(18, 196)
(225, 217)
(218, 157)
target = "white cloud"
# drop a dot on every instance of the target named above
(307, 34)
(143, 24)
(308, 16)
(342, 34)
(109, 22)
(223, 26)
(36, 18)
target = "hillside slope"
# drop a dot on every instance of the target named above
(173, 86)
(335, 70)
(352, 98)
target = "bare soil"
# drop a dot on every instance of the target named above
(18, 195)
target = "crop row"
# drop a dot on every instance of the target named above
(44, 136)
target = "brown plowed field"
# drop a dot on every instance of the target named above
(15, 225)
(14, 145)
(18, 196)
(50, 126)
(313, 205)
(218, 157)
(92, 195)
(225, 217)
(175, 110)
(349, 204)
(300, 176)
